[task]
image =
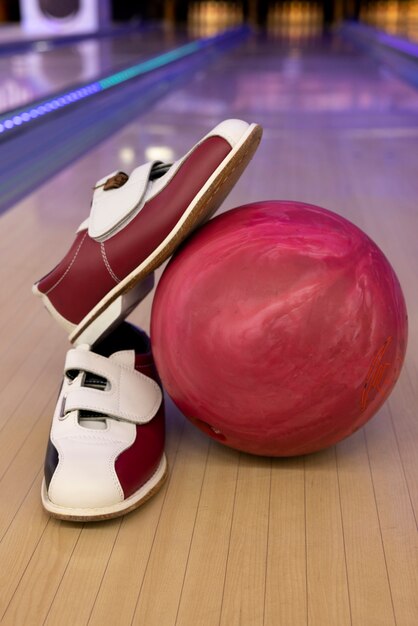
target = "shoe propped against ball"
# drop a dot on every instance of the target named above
(136, 222)
(105, 456)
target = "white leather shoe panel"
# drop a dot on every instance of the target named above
(85, 475)
(114, 510)
(131, 396)
(112, 206)
(231, 130)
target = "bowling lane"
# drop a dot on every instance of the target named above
(28, 76)
(330, 536)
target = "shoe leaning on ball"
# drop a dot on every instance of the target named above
(136, 222)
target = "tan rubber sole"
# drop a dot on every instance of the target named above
(99, 516)
(205, 206)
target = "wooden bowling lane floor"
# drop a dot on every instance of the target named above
(330, 539)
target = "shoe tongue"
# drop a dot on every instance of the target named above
(124, 357)
(159, 169)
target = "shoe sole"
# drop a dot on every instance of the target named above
(118, 303)
(151, 487)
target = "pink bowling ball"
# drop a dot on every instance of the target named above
(279, 328)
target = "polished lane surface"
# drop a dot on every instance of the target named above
(28, 76)
(327, 539)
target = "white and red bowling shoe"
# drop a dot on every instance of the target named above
(105, 455)
(136, 222)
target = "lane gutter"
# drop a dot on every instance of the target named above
(401, 55)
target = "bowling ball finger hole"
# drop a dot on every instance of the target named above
(208, 429)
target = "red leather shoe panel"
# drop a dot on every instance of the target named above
(135, 466)
(128, 248)
(144, 363)
(56, 274)
(85, 281)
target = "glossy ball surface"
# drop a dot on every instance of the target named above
(279, 328)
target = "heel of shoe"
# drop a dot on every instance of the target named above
(91, 330)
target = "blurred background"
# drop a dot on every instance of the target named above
(47, 45)
(294, 19)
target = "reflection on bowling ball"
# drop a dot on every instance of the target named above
(279, 328)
